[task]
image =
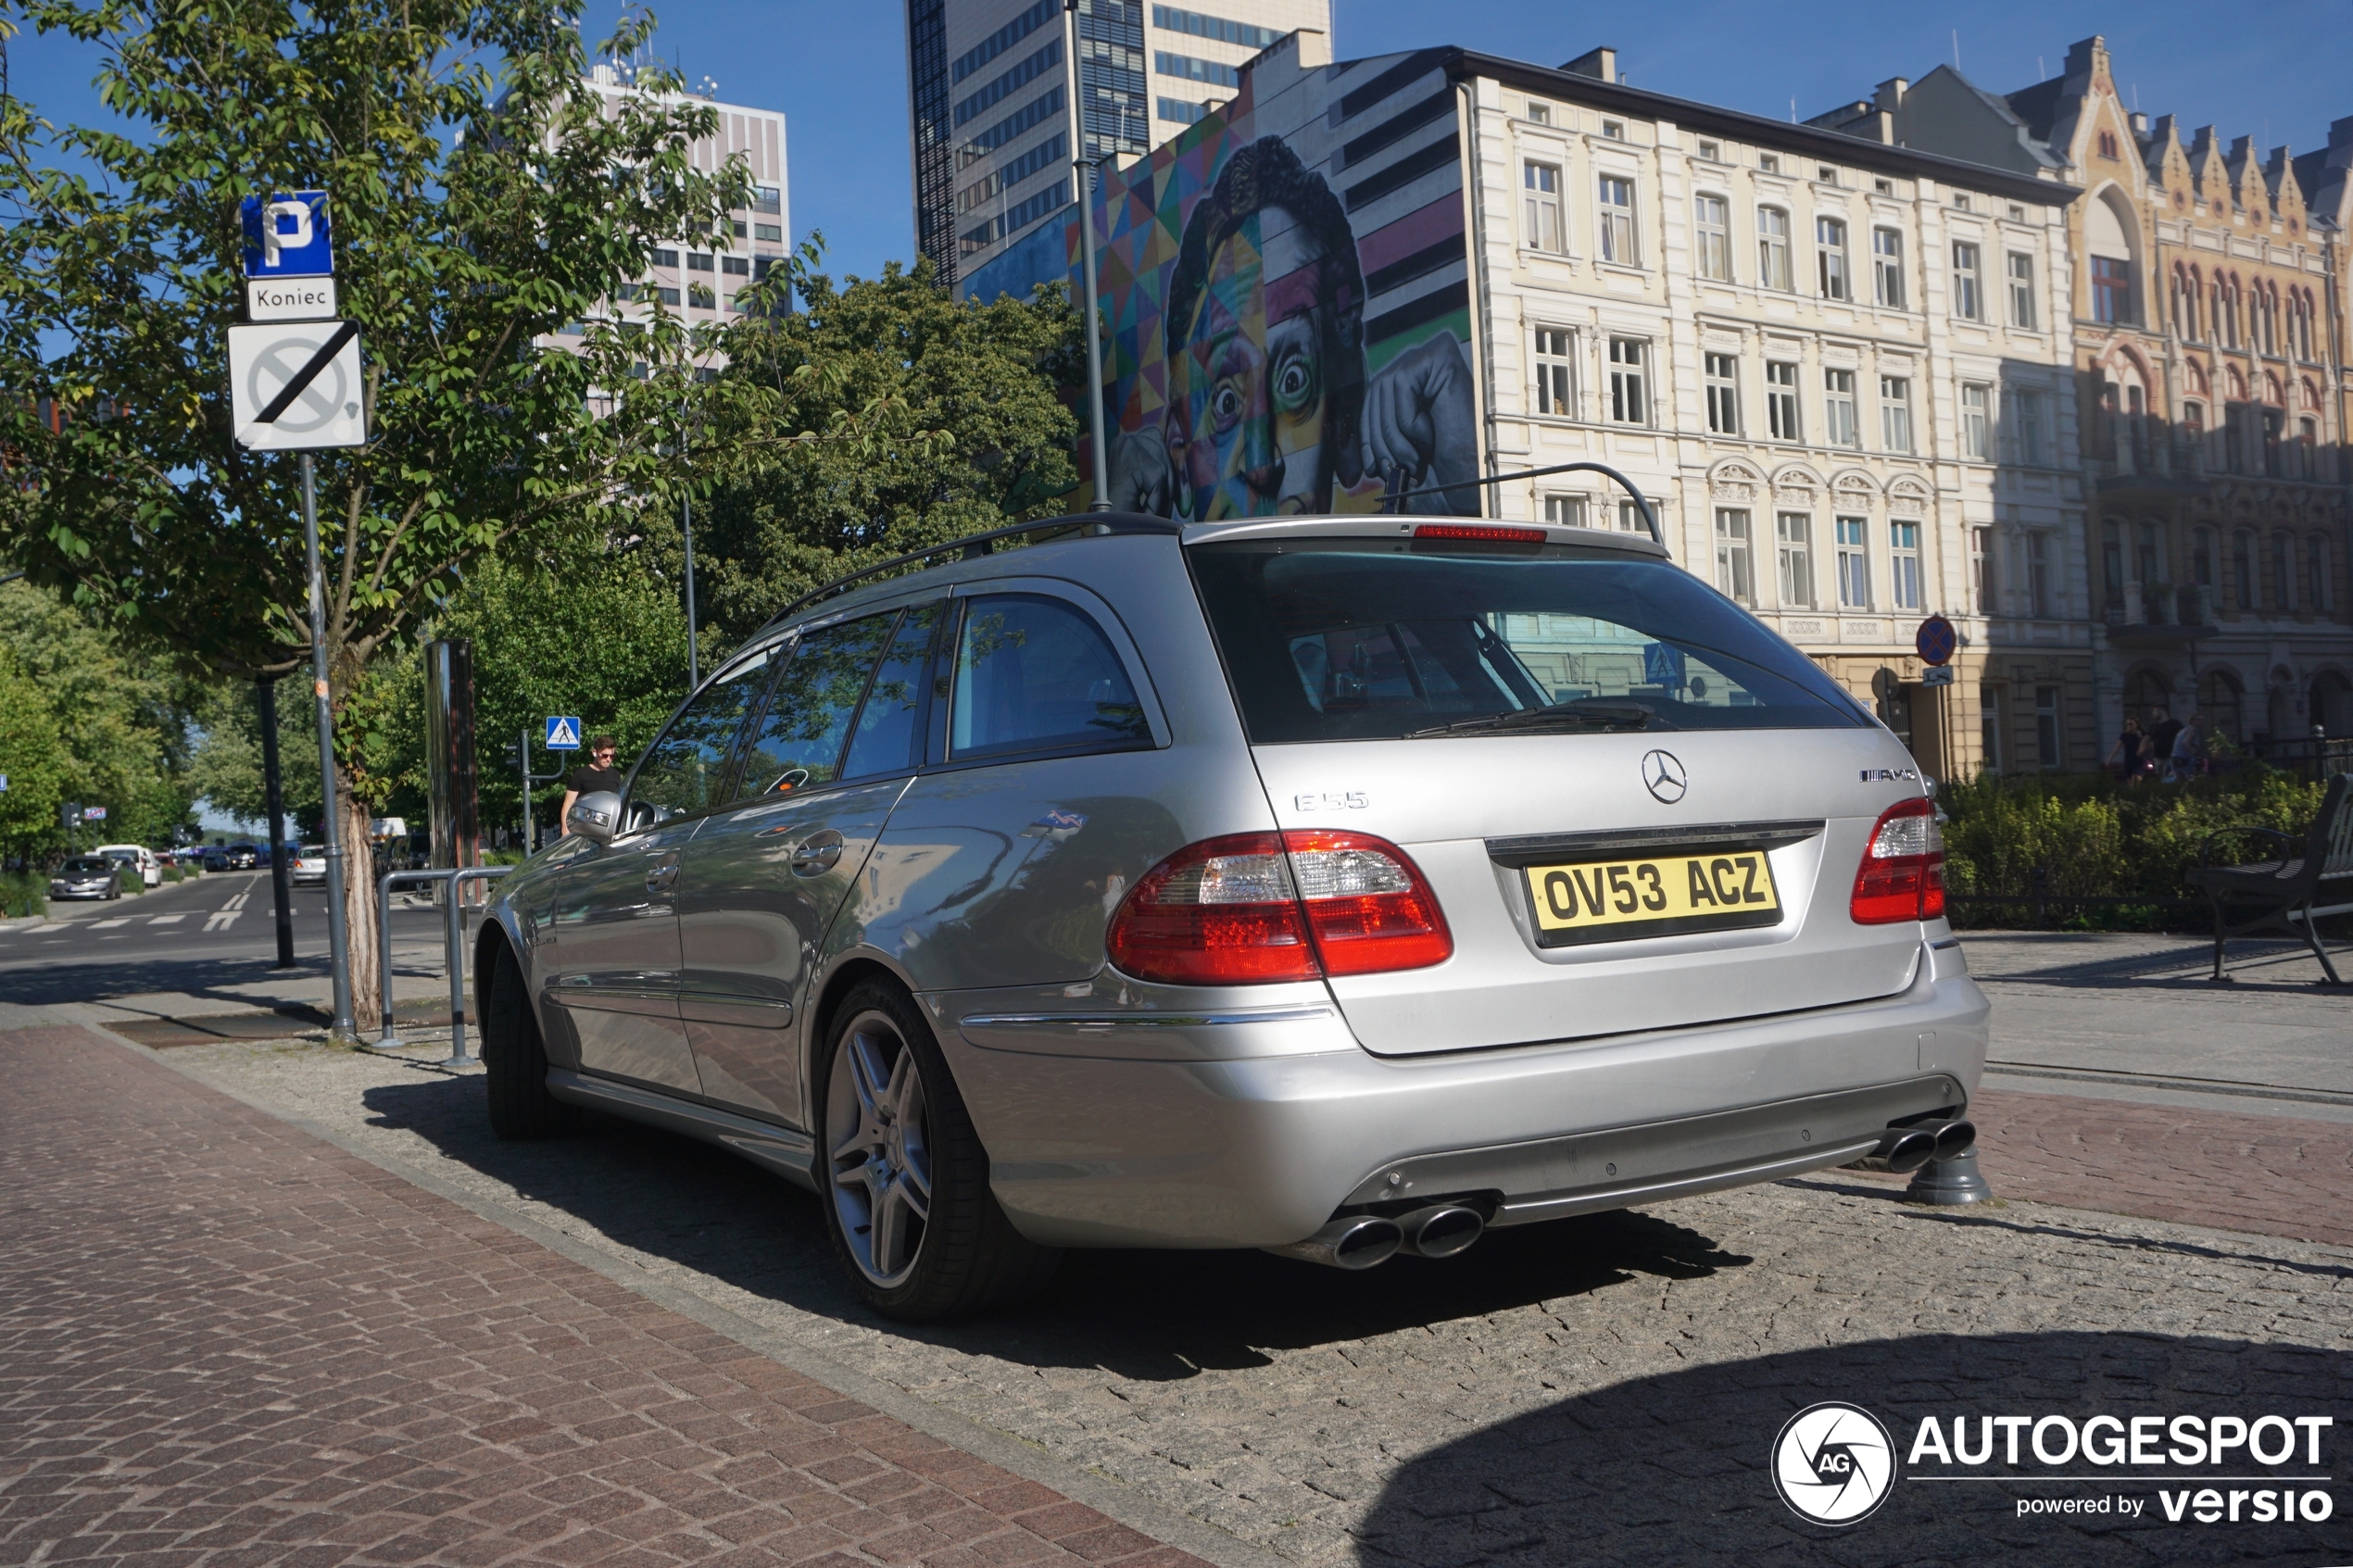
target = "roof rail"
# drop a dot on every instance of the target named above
(975, 545)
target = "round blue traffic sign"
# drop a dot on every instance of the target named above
(1936, 640)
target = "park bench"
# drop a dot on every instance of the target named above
(2288, 894)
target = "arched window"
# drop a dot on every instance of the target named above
(2243, 569)
(2223, 702)
(2320, 577)
(2267, 318)
(2283, 573)
(2197, 378)
(2271, 392)
(2109, 239)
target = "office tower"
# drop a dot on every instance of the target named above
(991, 89)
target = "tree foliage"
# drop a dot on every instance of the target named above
(34, 760)
(881, 417)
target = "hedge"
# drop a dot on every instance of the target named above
(23, 892)
(2100, 838)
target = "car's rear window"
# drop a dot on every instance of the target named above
(1348, 639)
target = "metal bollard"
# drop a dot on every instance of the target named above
(390, 1039)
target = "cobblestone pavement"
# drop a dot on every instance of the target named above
(225, 1342)
(1602, 1390)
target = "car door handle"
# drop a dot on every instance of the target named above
(817, 854)
(664, 876)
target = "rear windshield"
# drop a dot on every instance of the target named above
(1377, 639)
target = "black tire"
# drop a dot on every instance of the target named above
(967, 1257)
(515, 1060)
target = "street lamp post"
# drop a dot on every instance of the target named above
(1082, 170)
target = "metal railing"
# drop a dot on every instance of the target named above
(389, 1040)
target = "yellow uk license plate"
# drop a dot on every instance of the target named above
(1653, 895)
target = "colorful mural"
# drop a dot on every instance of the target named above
(1286, 284)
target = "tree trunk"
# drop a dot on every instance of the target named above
(359, 908)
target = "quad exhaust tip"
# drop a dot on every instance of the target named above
(1364, 1241)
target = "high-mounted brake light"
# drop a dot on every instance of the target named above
(1902, 876)
(1255, 907)
(1472, 531)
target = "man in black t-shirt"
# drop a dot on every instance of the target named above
(599, 774)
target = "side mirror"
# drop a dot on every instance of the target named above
(595, 816)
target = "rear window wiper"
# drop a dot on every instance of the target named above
(1600, 715)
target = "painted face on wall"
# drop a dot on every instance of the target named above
(1247, 396)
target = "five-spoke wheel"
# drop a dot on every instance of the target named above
(876, 1116)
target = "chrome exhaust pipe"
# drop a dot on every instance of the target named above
(1353, 1241)
(1441, 1230)
(1906, 1148)
(1953, 1138)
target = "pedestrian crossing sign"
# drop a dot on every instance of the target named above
(563, 734)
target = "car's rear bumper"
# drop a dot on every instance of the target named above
(1109, 1148)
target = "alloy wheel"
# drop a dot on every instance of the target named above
(878, 1125)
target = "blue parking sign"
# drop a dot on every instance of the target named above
(286, 236)
(563, 734)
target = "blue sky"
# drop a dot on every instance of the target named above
(838, 69)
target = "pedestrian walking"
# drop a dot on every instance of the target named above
(2130, 754)
(2163, 730)
(2189, 749)
(599, 774)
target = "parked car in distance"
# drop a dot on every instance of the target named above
(1337, 886)
(134, 857)
(309, 864)
(87, 876)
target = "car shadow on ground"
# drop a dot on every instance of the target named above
(1146, 1315)
(1679, 1469)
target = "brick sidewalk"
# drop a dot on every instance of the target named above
(2270, 1176)
(224, 1343)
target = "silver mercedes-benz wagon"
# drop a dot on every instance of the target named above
(1337, 886)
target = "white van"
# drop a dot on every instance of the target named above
(139, 854)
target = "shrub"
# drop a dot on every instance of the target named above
(23, 892)
(2098, 838)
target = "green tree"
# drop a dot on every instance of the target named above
(475, 208)
(881, 417)
(226, 767)
(34, 760)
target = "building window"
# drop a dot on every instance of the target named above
(1713, 218)
(1541, 184)
(2149, 557)
(1795, 543)
(2243, 569)
(1772, 249)
(1768, 163)
(2273, 420)
(772, 232)
(1540, 114)
(2048, 750)
(1191, 68)
(1780, 401)
(1853, 563)
(1895, 412)
(1733, 569)
(2113, 562)
(1981, 568)
(1977, 421)
(2307, 442)
(2025, 430)
(2202, 557)
(1615, 130)
(2193, 433)
(1887, 267)
(1182, 112)
(737, 266)
(1989, 723)
(2111, 290)
(2282, 575)
(1200, 26)
(665, 257)
(1629, 397)
(1554, 368)
(1629, 519)
(1968, 298)
(2038, 573)
(1830, 248)
(1616, 219)
(1723, 393)
(2322, 594)
(2021, 267)
(1961, 201)
(1884, 187)
(1712, 151)
(1839, 427)
(1904, 564)
(1564, 511)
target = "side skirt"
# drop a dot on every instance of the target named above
(789, 1154)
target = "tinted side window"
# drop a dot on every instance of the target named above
(1036, 674)
(885, 739)
(801, 736)
(686, 769)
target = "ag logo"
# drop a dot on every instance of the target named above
(1834, 1463)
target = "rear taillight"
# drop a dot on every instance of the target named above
(1902, 876)
(1255, 907)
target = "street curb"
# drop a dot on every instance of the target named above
(1114, 1499)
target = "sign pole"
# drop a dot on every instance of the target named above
(523, 752)
(342, 1030)
(274, 787)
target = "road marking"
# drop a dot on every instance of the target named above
(166, 920)
(221, 919)
(103, 924)
(239, 901)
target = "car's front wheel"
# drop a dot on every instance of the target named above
(904, 1177)
(514, 1060)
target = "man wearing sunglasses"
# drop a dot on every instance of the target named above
(599, 773)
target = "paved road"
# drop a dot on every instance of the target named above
(210, 938)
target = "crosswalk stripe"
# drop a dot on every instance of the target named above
(166, 920)
(104, 924)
